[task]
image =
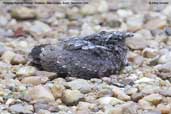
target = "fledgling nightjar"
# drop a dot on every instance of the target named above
(97, 55)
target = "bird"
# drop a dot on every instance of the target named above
(92, 56)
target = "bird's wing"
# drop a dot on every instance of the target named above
(75, 44)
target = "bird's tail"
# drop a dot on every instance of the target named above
(34, 55)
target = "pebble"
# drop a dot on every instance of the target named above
(164, 67)
(131, 91)
(7, 56)
(49, 75)
(165, 92)
(18, 59)
(39, 28)
(23, 13)
(34, 80)
(165, 58)
(20, 108)
(168, 31)
(124, 13)
(41, 111)
(3, 20)
(164, 109)
(26, 71)
(135, 22)
(136, 43)
(167, 11)
(80, 84)
(6, 33)
(102, 6)
(169, 41)
(86, 29)
(57, 90)
(145, 34)
(126, 108)
(88, 9)
(50, 106)
(154, 99)
(109, 100)
(146, 105)
(120, 94)
(71, 97)
(137, 96)
(40, 92)
(96, 6)
(2, 49)
(151, 112)
(149, 52)
(135, 59)
(156, 24)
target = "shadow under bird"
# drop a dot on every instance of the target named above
(97, 55)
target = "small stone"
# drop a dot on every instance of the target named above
(165, 58)
(120, 94)
(34, 80)
(80, 84)
(109, 100)
(169, 41)
(10, 101)
(126, 108)
(136, 42)
(41, 111)
(96, 6)
(86, 29)
(165, 92)
(168, 31)
(2, 49)
(144, 80)
(124, 13)
(131, 91)
(153, 98)
(26, 71)
(3, 21)
(23, 13)
(40, 92)
(44, 105)
(88, 10)
(137, 96)
(39, 28)
(146, 105)
(135, 22)
(57, 90)
(149, 52)
(71, 97)
(102, 6)
(6, 33)
(145, 34)
(18, 59)
(164, 109)
(20, 108)
(8, 56)
(50, 75)
(135, 59)
(151, 112)
(156, 24)
(85, 108)
(164, 67)
(167, 11)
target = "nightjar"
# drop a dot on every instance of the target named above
(97, 55)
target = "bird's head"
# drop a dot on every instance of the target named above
(114, 37)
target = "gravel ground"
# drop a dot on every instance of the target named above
(143, 87)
